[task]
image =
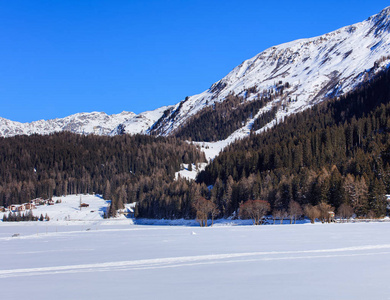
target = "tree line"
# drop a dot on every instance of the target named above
(24, 217)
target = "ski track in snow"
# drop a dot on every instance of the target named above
(185, 261)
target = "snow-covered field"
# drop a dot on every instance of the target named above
(332, 261)
(69, 210)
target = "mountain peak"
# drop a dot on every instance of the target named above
(385, 11)
(381, 22)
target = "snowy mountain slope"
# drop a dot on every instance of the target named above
(315, 69)
(311, 70)
(87, 123)
(142, 122)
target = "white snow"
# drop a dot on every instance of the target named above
(142, 122)
(68, 211)
(331, 261)
(191, 175)
(83, 123)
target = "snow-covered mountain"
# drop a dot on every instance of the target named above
(142, 122)
(315, 69)
(84, 123)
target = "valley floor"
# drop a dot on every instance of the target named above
(98, 261)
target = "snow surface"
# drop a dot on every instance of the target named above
(142, 122)
(83, 123)
(331, 261)
(191, 175)
(69, 208)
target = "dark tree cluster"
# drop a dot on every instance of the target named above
(168, 116)
(122, 168)
(265, 118)
(217, 122)
(337, 153)
(23, 217)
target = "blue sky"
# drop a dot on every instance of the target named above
(63, 57)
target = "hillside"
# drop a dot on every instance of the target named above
(294, 76)
(283, 141)
(336, 153)
(123, 169)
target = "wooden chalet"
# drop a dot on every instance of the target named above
(21, 207)
(30, 206)
(36, 201)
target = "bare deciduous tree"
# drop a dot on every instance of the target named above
(312, 212)
(204, 208)
(254, 209)
(345, 212)
(325, 212)
(279, 214)
(370, 215)
(294, 211)
(275, 215)
(214, 211)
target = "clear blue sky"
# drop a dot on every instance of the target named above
(63, 57)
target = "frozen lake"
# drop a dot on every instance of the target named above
(96, 261)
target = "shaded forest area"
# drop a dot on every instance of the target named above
(223, 118)
(336, 153)
(122, 168)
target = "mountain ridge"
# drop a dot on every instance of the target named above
(315, 69)
(325, 66)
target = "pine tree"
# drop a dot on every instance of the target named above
(377, 198)
(107, 191)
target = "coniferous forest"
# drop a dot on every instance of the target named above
(223, 118)
(336, 153)
(122, 168)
